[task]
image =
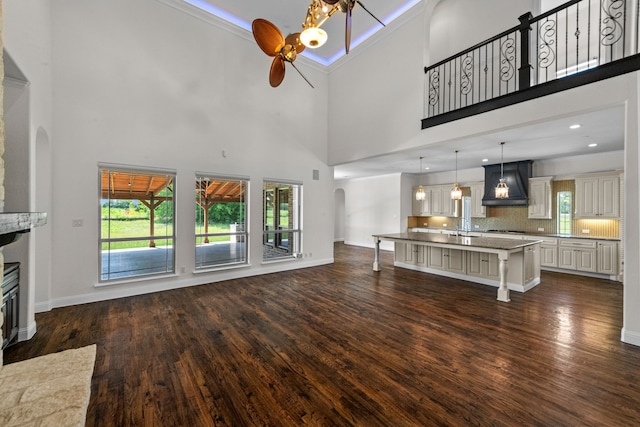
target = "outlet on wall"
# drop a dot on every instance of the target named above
(585, 231)
(540, 229)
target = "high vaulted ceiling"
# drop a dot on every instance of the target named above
(289, 15)
(539, 141)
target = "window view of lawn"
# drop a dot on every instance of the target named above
(137, 220)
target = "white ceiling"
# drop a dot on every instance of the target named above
(537, 142)
(542, 141)
(289, 15)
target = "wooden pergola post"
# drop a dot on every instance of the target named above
(152, 205)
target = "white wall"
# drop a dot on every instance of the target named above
(372, 206)
(457, 25)
(170, 92)
(27, 39)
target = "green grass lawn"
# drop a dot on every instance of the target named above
(140, 228)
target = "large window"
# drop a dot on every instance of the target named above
(137, 222)
(221, 232)
(282, 220)
(565, 207)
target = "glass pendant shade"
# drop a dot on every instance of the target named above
(420, 194)
(456, 193)
(313, 37)
(502, 191)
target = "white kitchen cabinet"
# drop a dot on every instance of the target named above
(422, 207)
(607, 257)
(484, 265)
(577, 254)
(531, 260)
(452, 260)
(540, 202)
(598, 196)
(549, 255)
(437, 202)
(477, 193)
(441, 203)
(405, 253)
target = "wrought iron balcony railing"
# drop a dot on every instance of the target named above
(578, 37)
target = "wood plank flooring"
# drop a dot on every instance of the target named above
(343, 345)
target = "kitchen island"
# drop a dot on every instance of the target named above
(509, 264)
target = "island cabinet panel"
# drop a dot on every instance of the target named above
(404, 252)
(530, 262)
(483, 265)
(452, 260)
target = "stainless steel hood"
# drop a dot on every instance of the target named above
(516, 176)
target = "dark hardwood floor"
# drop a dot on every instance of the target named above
(343, 345)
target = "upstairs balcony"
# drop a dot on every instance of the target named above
(580, 42)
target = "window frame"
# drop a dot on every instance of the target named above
(293, 247)
(561, 215)
(243, 234)
(170, 261)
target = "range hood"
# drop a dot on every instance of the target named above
(516, 176)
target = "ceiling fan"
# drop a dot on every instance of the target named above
(346, 6)
(274, 44)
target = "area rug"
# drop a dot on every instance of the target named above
(51, 390)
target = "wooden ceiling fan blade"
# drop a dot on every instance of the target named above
(294, 40)
(347, 31)
(276, 74)
(268, 36)
(372, 15)
(303, 76)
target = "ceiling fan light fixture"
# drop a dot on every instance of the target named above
(313, 37)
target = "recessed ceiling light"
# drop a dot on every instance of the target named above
(485, 160)
(574, 127)
(593, 145)
(427, 168)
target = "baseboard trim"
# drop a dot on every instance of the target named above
(25, 334)
(630, 337)
(104, 293)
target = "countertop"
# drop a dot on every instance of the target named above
(516, 233)
(476, 242)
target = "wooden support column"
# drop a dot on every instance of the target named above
(152, 205)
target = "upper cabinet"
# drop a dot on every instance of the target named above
(437, 202)
(540, 201)
(598, 195)
(478, 210)
(422, 207)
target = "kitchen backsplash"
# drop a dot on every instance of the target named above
(514, 218)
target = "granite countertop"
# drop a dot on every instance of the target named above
(478, 242)
(523, 233)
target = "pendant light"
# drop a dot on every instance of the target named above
(456, 192)
(502, 191)
(420, 194)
